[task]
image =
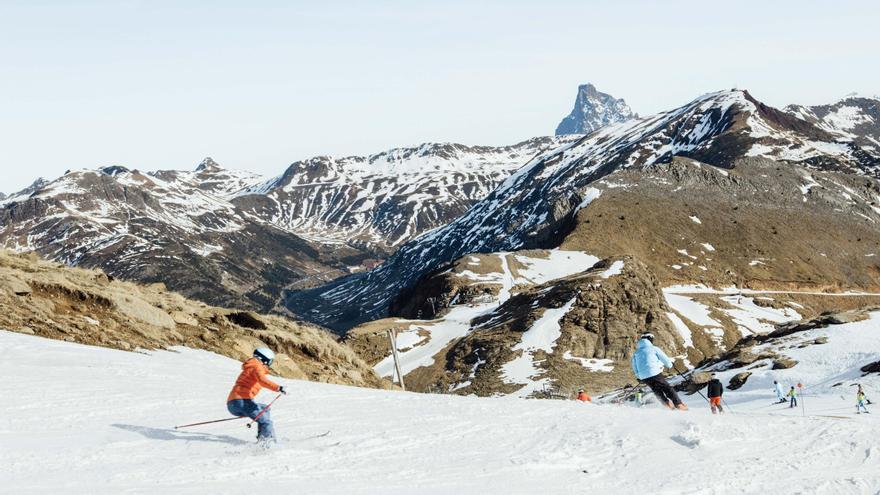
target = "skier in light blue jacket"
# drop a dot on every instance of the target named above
(647, 363)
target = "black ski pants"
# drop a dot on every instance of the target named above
(662, 389)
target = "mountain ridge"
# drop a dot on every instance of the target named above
(536, 206)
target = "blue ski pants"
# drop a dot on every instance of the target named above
(249, 408)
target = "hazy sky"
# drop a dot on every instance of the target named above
(257, 85)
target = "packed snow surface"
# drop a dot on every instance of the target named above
(92, 420)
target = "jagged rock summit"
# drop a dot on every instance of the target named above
(592, 110)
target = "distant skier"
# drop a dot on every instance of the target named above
(860, 401)
(647, 363)
(861, 391)
(792, 394)
(715, 391)
(780, 395)
(583, 396)
(249, 383)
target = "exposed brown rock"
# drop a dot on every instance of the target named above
(783, 363)
(739, 380)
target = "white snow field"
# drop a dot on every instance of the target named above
(79, 419)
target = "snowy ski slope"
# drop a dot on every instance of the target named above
(79, 419)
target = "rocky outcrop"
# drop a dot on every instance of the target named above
(50, 300)
(598, 332)
(587, 324)
(739, 380)
(871, 368)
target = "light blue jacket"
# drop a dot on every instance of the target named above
(649, 360)
(779, 393)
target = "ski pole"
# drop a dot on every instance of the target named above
(263, 411)
(685, 378)
(726, 405)
(209, 422)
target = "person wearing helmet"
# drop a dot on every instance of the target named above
(583, 396)
(647, 363)
(252, 379)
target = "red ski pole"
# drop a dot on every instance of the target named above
(209, 422)
(264, 410)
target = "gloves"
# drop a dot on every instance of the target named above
(281, 389)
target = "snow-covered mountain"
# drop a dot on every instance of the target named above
(593, 110)
(854, 117)
(245, 234)
(538, 205)
(172, 227)
(387, 198)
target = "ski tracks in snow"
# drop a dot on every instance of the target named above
(99, 421)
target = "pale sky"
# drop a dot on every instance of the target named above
(258, 85)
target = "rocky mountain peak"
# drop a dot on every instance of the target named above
(114, 170)
(592, 110)
(208, 164)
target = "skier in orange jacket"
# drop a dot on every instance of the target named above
(583, 397)
(252, 379)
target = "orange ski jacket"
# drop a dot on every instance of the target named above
(251, 380)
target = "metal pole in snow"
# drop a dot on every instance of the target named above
(800, 387)
(392, 337)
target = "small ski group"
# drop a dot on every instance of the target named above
(782, 397)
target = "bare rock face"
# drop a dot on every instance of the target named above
(593, 110)
(739, 380)
(599, 330)
(871, 368)
(783, 363)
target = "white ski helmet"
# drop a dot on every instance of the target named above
(265, 355)
(647, 336)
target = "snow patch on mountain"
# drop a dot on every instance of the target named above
(541, 336)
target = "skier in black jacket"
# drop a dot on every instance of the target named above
(715, 392)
